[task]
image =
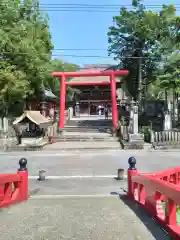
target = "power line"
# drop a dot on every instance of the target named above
(74, 55)
(93, 8)
(100, 6)
(67, 49)
(91, 56)
(53, 55)
(91, 5)
(86, 10)
(95, 5)
(79, 49)
(107, 7)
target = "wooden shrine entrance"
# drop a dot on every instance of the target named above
(87, 99)
(111, 83)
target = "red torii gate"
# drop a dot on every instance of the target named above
(112, 74)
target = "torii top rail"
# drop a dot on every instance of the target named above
(112, 74)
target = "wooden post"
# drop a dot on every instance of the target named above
(62, 101)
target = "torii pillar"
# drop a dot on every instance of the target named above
(62, 101)
(111, 82)
(114, 102)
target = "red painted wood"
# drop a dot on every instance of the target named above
(130, 174)
(114, 101)
(91, 73)
(151, 189)
(13, 188)
(22, 185)
(87, 83)
(62, 101)
(112, 74)
(11, 177)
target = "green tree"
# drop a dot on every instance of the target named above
(57, 65)
(25, 49)
(135, 41)
(169, 73)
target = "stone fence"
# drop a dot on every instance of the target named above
(166, 139)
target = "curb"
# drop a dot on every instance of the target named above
(79, 177)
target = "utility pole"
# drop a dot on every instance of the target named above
(140, 79)
(139, 76)
(138, 45)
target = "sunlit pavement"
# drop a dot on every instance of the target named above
(81, 198)
(78, 218)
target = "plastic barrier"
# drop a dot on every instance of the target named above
(159, 194)
(14, 187)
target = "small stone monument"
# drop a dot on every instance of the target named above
(5, 124)
(70, 113)
(136, 139)
(131, 118)
(77, 109)
(167, 121)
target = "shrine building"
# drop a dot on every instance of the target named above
(94, 86)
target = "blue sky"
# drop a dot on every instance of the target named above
(85, 30)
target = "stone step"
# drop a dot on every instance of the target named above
(85, 139)
(87, 129)
(75, 146)
(76, 133)
(89, 123)
(85, 136)
(79, 218)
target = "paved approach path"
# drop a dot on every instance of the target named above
(100, 162)
(106, 218)
(80, 208)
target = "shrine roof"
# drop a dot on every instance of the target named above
(49, 94)
(93, 79)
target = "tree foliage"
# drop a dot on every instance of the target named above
(57, 65)
(141, 40)
(168, 75)
(25, 53)
(25, 46)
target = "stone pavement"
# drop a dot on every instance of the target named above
(84, 202)
(98, 162)
(81, 199)
(107, 218)
(75, 186)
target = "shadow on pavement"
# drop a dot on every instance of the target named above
(151, 224)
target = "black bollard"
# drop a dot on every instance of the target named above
(23, 164)
(132, 163)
